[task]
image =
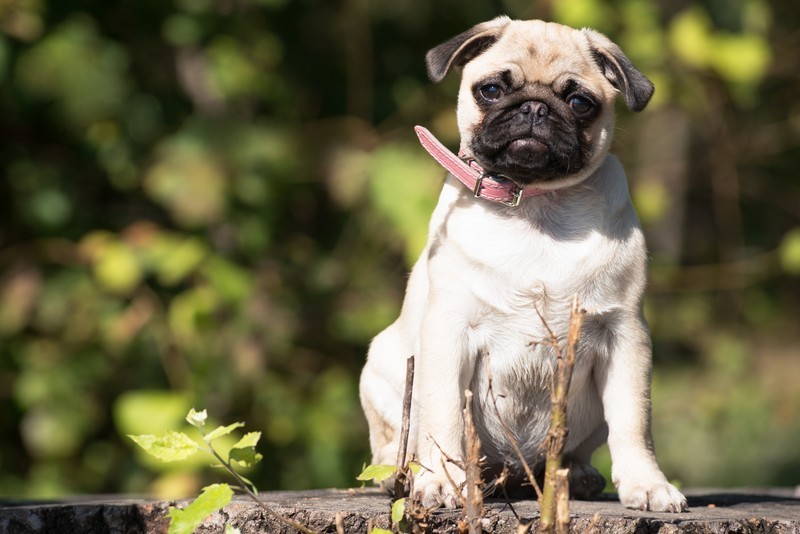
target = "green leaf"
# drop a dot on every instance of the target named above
(244, 452)
(398, 510)
(221, 431)
(186, 520)
(248, 440)
(414, 467)
(229, 529)
(197, 419)
(170, 447)
(377, 530)
(378, 473)
(789, 251)
(245, 457)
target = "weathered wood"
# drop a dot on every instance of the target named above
(745, 511)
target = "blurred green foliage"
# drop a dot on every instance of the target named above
(215, 202)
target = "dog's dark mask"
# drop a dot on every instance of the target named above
(534, 133)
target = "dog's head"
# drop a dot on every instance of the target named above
(536, 102)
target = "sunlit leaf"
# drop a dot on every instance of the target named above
(244, 452)
(248, 440)
(414, 467)
(246, 456)
(398, 510)
(377, 472)
(789, 251)
(186, 520)
(221, 431)
(170, 447)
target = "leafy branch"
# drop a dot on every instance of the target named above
(174, 446)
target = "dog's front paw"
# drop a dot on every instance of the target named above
(435, 489)
(658, 496)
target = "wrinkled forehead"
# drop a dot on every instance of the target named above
(543, 52)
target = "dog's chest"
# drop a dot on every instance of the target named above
(517, 259)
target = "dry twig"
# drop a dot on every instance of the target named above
(472, 447)
(557, 435)
(509, 435)
(402, 450)
(339, 523)
(562, 501)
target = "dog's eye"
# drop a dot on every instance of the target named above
(580, 104)
(491, 92)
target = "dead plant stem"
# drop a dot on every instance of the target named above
(557, 435)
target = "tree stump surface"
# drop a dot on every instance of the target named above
(711, 511)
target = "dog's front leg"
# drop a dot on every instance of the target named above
(444, 370)
(624, 383)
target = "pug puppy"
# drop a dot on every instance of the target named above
(535, 111)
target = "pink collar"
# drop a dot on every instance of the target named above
(483, 184)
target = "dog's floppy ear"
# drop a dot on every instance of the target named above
(620, 71)
(463, 47)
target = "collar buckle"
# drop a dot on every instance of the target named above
(516, 192)
(515, 199)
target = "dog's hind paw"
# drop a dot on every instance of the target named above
(585, 482)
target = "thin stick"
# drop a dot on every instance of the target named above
(250, 493)
(562, 501)
(447, 457)
(339, 523)
(399, 480)
(557, 435)
(456, 487)
(509, 434)
(472, 447)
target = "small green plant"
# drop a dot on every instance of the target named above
(174, 446)
(381, 472)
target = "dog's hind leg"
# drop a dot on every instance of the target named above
(381, 387)
(586, 482)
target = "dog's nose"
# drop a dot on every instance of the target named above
(535, 109)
